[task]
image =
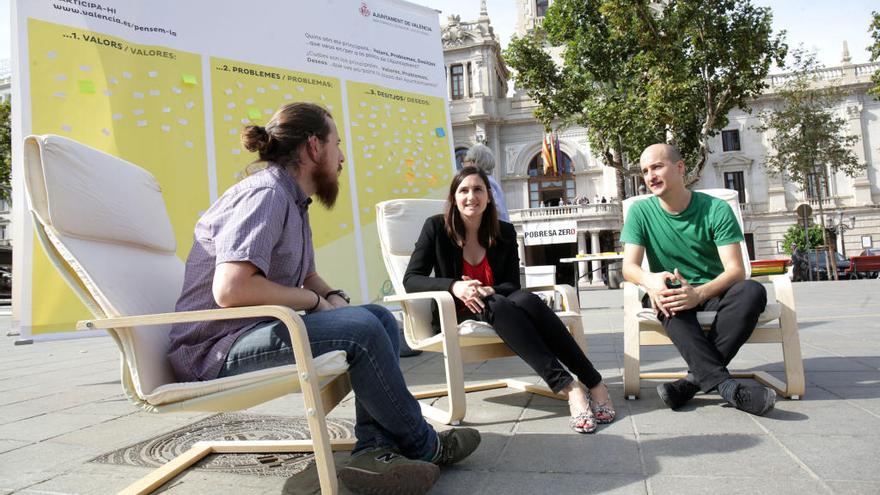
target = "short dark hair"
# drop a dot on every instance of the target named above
(289, 128)
(490, 228)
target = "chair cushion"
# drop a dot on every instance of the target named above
(76, 181)
(771, 312)
(471, 328)
(330, 364)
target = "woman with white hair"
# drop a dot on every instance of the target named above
(481, 157)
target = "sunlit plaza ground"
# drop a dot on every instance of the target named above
(65, 425)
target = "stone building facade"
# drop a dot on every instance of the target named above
(484, 110)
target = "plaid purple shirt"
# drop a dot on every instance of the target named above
(262, 220)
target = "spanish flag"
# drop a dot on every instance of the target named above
(554, 149)
(547, 156)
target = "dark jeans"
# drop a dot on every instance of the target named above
(386, 413)
(533, 331)
(708, 353)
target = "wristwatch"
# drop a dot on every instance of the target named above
(338, 292)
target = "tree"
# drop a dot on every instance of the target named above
(809, 138)
(5, 148)
(634, 75)
(795, 235)
(874, 29)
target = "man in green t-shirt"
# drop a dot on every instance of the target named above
(692, 241)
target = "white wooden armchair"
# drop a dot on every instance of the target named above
(399, 223)
(776, 325)
(103, 224)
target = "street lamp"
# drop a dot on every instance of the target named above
(842, 227)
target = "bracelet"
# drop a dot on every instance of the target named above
(337, 292)
(317, 303)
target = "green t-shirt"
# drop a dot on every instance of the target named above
(688, 241)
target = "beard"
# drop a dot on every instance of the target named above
(326, 186)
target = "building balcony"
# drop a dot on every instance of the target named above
(754, 208)
(568, 212)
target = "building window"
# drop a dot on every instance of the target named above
(541, 7)
(460, 153)
(814, 183)
(550, 190)
(470, 80)
(730, 140)
(735, 181)
(457, 81)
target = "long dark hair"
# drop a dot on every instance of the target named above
(289, 128)
(490, 229)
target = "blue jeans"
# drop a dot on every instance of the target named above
(386, 413)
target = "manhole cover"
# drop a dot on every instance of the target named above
(230, 426)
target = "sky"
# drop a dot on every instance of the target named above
(822, 25)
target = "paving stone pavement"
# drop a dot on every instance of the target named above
(61, 406)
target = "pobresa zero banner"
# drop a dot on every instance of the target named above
(555, 232)
(169, 85)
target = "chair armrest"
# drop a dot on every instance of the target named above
(568, 293)
(280, 312)
(445, 306)
(783, 291)
(632, 297)
(302, 351)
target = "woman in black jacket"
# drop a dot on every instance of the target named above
(474, 256)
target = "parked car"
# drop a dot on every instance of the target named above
(820, 269)
(871, 251)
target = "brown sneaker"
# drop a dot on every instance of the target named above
(382, 471)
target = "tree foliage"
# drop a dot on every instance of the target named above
(634, 75)
(809, 139)
(795, 235)
(5, 148)
(808, 136)
(875, 51)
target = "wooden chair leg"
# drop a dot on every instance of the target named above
(791, 343)
(631, 342)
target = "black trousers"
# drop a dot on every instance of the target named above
(533, 331)
(708, 353)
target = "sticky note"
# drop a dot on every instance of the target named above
(189, 79)
(254, 113)
(410, 162)
(441, 132)
(86, 86)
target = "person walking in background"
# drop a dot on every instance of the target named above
(481, 157)
(468, 252)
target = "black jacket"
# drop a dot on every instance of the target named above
(435, 251)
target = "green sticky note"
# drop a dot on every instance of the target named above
(254, 113)
(87, 86)
(189, 79)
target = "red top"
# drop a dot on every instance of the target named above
(481, 271)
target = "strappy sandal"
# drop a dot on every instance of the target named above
(583, 422)
(603, 411)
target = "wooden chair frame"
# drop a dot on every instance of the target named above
(460, 349)
(320, 393)
(638, 332)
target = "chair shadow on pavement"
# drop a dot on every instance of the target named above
(562, 463)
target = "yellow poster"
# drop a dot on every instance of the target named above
(246, 94)
(138, 102)
(401, 148)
